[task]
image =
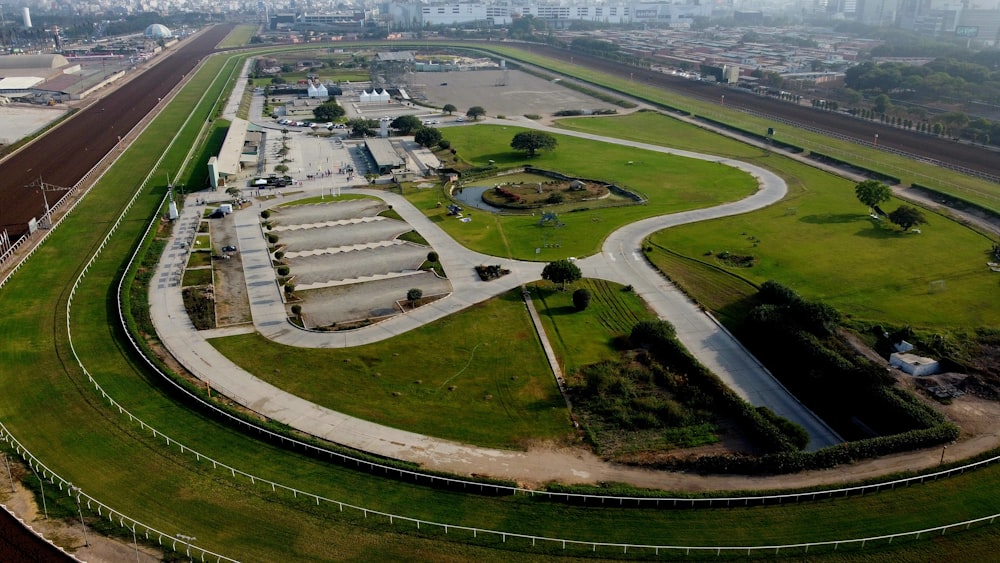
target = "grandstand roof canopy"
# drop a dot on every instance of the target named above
(386, 157)
(32, 61)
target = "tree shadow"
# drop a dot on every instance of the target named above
(833, 218)
(878, 232)
(560, 311)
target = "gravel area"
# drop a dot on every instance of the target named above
(357, 264)
(343, 303)
(320, 212)
(341, 235)
(522, 93)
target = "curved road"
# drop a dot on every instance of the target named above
(620, 261)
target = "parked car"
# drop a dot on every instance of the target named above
(229, 248)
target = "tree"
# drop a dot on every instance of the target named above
(406, 124)
(907, 216)
(414, 295)
(881, 103)
(233, 192)
(432, 256)
(328, 111)
(449, 108)
(581, 299)
(872, 193)
(362, 127)
(561, 272)
(475, 112)
(532, 141)
(427, 137)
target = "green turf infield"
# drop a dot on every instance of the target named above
(671, 184)
(821, 242)
(51, 408)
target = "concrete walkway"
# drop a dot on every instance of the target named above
(620, 261)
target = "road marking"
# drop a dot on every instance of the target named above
(635, 256)
(611, 257)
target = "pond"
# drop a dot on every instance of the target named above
(472, 196)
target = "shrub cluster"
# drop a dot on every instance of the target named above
(658, 337)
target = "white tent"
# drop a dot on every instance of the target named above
(383, 96)
(366, 98)
(317, 91)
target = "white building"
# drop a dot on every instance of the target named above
(913, 364)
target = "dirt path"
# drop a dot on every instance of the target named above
(68, 534)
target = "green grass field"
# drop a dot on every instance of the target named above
(820, 241)
(461, 368)
(50, 407)
(586, 337)
(238, 37)
(689, 184)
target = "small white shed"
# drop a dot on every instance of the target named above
(914, 365)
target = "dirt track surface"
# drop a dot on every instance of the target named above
(62, 157)
(976, 158)
(65, 154)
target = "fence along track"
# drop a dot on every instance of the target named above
(134, 525)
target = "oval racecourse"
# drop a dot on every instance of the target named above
(116, 443)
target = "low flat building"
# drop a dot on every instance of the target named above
(913, 364)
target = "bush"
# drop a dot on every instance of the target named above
(283, 270)
(444, 144)
(289, 288)
(432, 256)
(272, 238)
(414, 295)
(279, 255)
(581, 299)
(265, 214)
(297, 310)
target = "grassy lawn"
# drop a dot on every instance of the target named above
(97, 448)
(239, 36)
(201, 276)
(461, 368)
(199, 259)
(865, 269)
(202, 242)
(580, 338)
(687, 184)
(324, 199)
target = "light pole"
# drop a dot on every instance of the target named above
(45, 507)
(135, 542)
(944, 448)
(79, 507)
(9, 474)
